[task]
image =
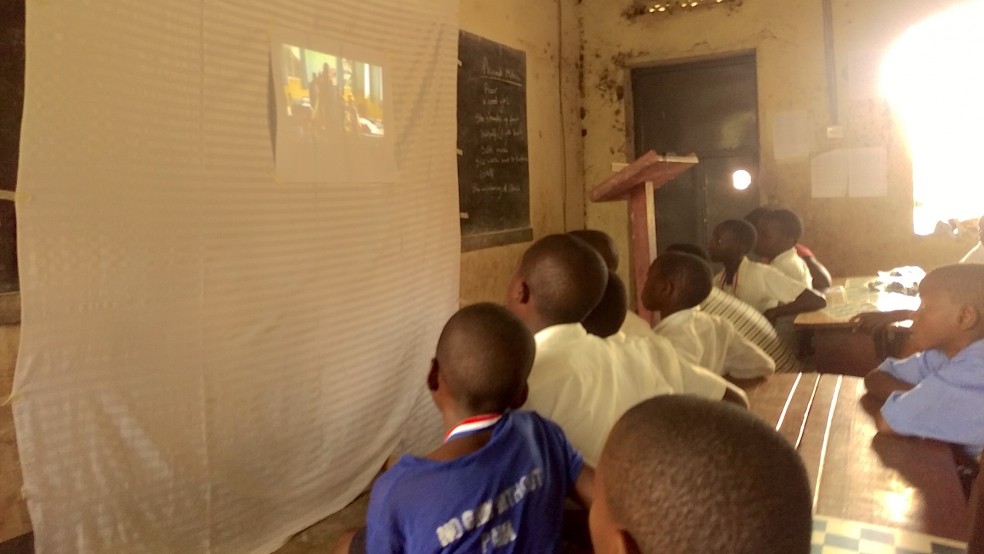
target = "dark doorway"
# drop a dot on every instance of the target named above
(709, 108)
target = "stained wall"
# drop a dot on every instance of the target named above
(547, 30)
(851, 235)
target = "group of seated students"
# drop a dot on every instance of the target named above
(563, 379)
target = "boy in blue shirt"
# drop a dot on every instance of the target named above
(500, 479)
(939, 392)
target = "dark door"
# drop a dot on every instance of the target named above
(709, 108)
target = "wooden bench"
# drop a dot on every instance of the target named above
(900, 482)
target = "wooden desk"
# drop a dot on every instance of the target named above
(898, 482)
(829, 331)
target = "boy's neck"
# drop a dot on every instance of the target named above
(461, 446)
(787, 247)
(959, 343)
(731, 267)
(667, 311)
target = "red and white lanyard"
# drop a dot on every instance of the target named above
(472, 425)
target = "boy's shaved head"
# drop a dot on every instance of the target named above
(602, 243)
(964, 283)
(742, 230)
(787, 222)
(565, 278)
(756, 214)
(691, 276)
(484, 355)
(607, 317)
(684, 474)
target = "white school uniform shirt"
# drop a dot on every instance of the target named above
(753, 326)
(713, 342)
(762, 286)
(792, 265)
(585, 383)
(635, 326)
(974, 256)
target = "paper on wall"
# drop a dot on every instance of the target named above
(830, 174)
(869, 172)
(792, 138)
(850, 172)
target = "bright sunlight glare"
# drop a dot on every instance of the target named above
(932, 80)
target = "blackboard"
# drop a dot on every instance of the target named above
(493, 152)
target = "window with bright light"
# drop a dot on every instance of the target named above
(932, 79)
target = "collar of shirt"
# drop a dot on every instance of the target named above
(558, 335)
(784, 256)
(678, 319)
(974, 351)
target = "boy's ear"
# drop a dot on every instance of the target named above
(669, 288)
(432, 376)
(968, 317)
(524, 293)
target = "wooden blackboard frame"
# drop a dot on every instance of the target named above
(493, 144)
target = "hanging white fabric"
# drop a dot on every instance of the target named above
(214, 357)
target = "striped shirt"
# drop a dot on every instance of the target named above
(754, 326)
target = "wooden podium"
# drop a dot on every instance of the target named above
(636, 183)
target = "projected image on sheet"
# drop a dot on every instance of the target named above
(325, 93)
(331, 114)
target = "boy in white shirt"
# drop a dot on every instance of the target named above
(631, 324)
(764, 287)
(778, 233)
(608, 316)
(582, 382)
(747, 320)
(676, 285)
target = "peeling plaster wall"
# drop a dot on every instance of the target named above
(537, 27)
(851, 235)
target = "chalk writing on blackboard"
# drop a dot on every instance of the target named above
(493, 159)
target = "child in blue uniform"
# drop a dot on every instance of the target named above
(939, 392)
(499, 481)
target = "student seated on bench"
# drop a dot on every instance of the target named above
(676, 285)
(777, 226)
(682, 474)
(766, 288)
(499, 481)
(747, 320)
(870, 322)
(939, 392)
(608, 317)
(631, 324)
(583, 382)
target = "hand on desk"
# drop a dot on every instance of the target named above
(870, 322)
(881, 385)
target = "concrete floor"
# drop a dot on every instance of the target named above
(321, 536)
